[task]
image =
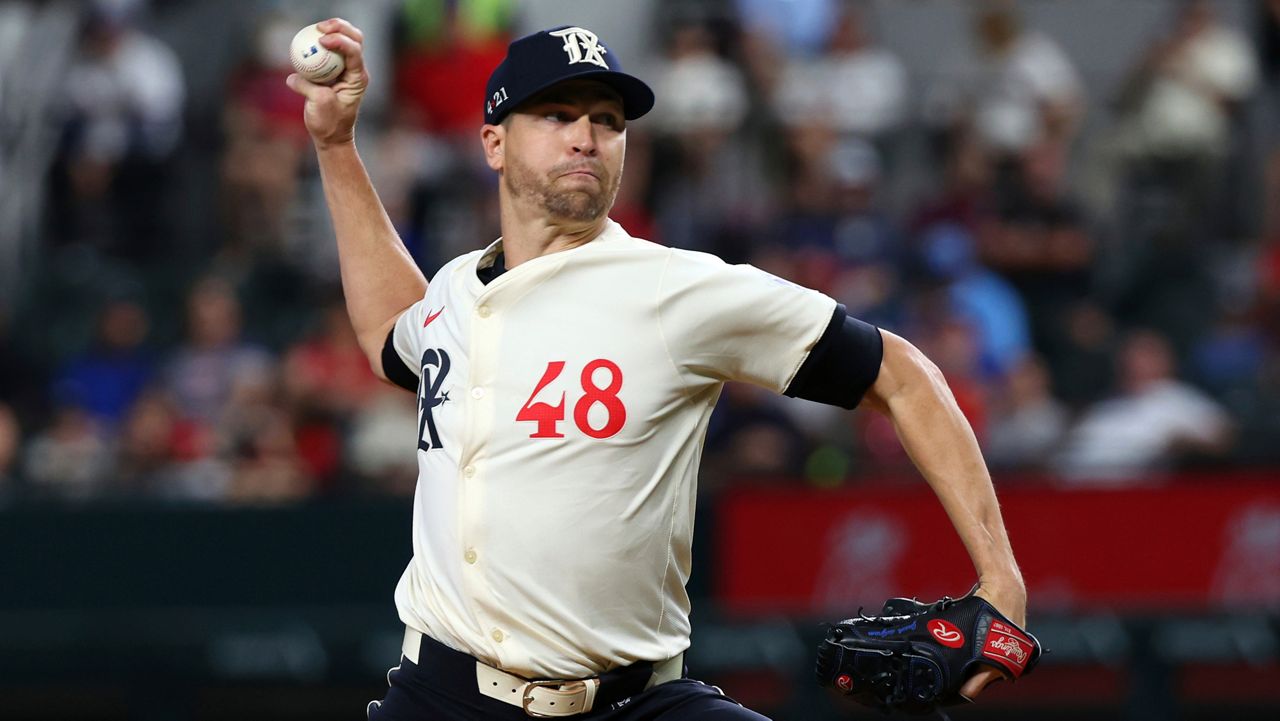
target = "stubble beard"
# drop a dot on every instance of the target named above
(576, 205)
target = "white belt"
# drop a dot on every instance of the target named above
(544, 699)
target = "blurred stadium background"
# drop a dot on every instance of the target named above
(1072, 205)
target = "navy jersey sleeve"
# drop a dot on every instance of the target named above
(396, 370)
(843, 364)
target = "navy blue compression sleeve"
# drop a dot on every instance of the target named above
(842, 365)
(395, 369)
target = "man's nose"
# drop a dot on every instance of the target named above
(582, 133)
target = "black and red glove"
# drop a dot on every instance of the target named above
(914, 657)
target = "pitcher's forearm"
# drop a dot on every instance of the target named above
(914, 394)
(941, 444)
(379, 277)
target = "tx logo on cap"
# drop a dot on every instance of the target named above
(582, 46)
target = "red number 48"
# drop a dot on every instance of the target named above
(548, 417)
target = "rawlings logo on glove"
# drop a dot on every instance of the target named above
(914, 657)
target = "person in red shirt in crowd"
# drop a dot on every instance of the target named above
(444, 63)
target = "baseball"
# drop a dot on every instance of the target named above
(312, 60)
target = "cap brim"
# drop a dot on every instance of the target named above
(637, 97)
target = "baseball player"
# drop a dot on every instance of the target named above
(564, 375)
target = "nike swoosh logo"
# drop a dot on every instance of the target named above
(432, 316)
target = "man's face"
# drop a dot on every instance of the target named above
(563, 150)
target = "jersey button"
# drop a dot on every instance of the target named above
(469, 471)
(470, 556)
(477, 393)
(483, 311)
(497, 635)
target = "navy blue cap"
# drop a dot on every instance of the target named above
(538, 61)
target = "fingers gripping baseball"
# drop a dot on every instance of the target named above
(330, 111)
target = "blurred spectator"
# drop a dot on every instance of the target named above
(380, 444)
(700, 90)
(845, 241)
(856, 86)
(200, 472)
(709, 179)
(943, 231)
(1180, 111)
(749, 437)
(148, 447)
(1039, 228)
(70, 460)
(247, 448)
(265, 461)
(1023, 91)
(1236, 362)
(1082, 360)
(975, 294)
(1239, 359)
(106, 378)
(445, 50)
(966, 196)
(10, 444)
(1039, 241)
(1231, 356)
(1170, 284)
(433, 187)
(266, 144)
(327, 381)
(448, 49)
(1027, 422)
(327, 372)
(1180, 99)
(807, 192)
(406, 165)
(800, 28)
(1155, 422)
(124, 96)
(204, 370)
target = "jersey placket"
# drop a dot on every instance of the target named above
(492, 306)
(486, 330)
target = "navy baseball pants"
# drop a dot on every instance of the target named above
(442, 687)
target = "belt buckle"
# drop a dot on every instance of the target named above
(527, 697)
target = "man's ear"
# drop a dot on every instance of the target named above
(494, 139)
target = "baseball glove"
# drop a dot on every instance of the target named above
(914, 657)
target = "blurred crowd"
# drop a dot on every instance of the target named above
(1098, 276)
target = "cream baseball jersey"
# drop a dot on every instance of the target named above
(561, 414)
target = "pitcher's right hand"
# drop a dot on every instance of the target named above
(330, 111)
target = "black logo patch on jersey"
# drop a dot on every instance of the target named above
(435, 368)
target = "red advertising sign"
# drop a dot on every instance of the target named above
(1200, 543)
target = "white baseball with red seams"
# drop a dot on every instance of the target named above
(312, 60)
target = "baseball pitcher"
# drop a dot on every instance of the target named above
(565, 374)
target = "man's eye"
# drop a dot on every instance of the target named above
(558, 116)
(609, 120)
